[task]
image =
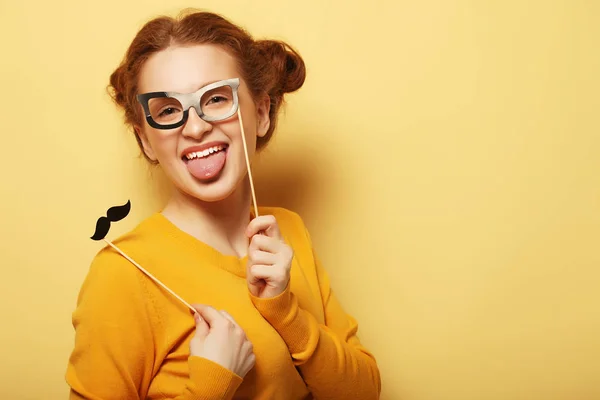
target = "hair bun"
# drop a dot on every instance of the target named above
(288, 66)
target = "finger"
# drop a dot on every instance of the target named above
(202, 328)
(264, 223)
(260, 272)
(209, 314)
(229, 317)
(264, 243)
(236, 327)
(248, 348)
(262, 257)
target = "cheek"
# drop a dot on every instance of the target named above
(163, 145)
(250, 127)
(233, 130)
(250, 136)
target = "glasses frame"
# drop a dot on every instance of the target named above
(189, 100)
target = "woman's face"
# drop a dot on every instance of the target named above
(203, 159)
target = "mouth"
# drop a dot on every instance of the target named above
(209, 151)
(206, 162)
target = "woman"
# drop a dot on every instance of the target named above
(267, 325)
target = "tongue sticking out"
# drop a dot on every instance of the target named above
(205, 168)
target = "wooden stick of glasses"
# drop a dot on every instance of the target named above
(239, 112)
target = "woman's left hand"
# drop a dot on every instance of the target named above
(269, 258)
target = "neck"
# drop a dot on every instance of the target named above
(220, 224)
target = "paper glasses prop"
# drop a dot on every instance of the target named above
(214, 102)
(168, 110)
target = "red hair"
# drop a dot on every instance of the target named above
(267, 66)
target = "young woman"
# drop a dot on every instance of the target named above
(267, 325)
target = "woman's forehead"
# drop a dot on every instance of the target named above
(185, 69)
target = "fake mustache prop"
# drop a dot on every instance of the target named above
(118, 213)
(113, 214)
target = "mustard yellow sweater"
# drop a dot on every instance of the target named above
(132, 337)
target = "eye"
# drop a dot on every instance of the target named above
(168, 111)
(216, 99)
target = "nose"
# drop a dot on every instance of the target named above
(195, 127)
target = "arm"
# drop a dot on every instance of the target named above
(332, 360)
(116, 338)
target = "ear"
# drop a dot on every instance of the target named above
(145, 142)
(262, 113)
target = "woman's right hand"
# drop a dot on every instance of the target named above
(220, 339)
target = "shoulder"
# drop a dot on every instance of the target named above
(109, 276)
(110, 273)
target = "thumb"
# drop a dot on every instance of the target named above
(253, 289)
(255, 283)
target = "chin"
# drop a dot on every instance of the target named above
(213, 194)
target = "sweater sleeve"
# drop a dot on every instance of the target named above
(114, 355)
(332, 360)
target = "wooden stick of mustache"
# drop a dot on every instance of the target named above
(151, 276)
(248, 162)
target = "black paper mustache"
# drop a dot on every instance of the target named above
(113, 214)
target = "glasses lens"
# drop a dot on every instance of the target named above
(165, 110)
(218, 102)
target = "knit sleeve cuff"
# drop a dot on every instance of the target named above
(295, 326)
(210, 380)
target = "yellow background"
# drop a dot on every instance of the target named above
(445, 156)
